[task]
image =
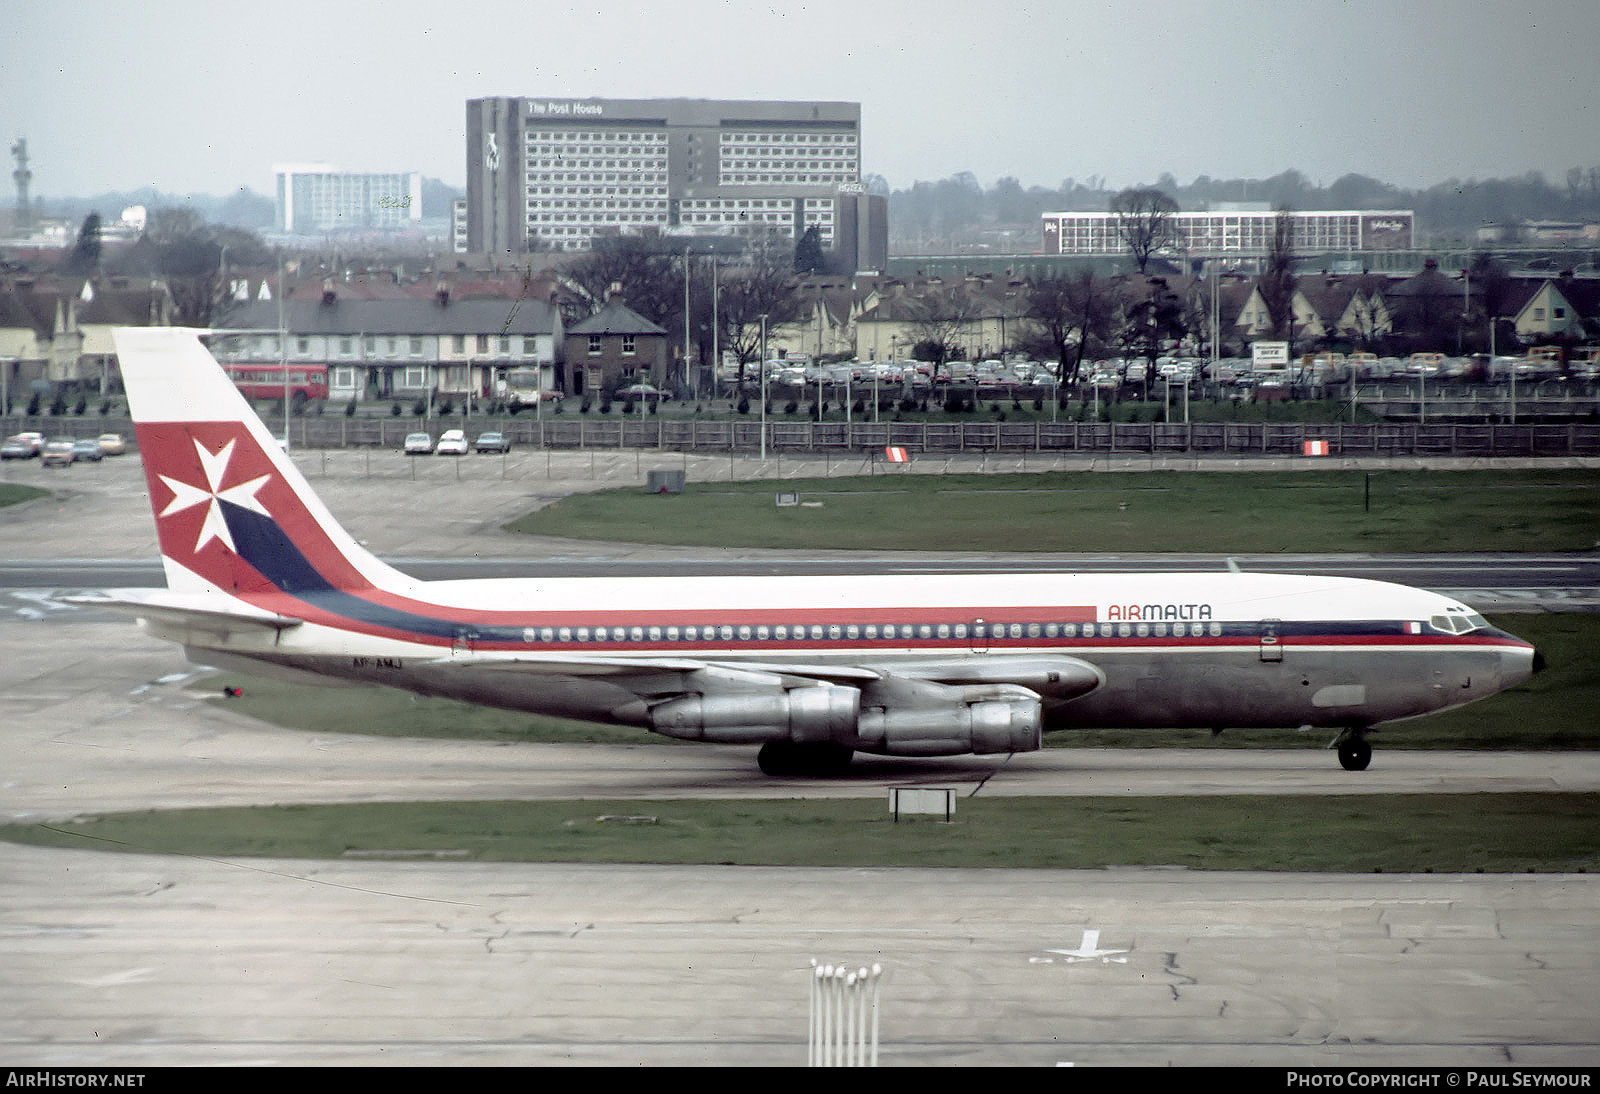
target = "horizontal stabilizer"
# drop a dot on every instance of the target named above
(183, 611)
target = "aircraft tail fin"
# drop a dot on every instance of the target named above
(233, 514)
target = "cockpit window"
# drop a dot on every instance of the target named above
(1463, 623)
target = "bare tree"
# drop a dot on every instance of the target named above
(937, 319)
(763, 286)
(645, 271)
(1153, 321)
(1277, 283)
(1069, 312)
(1144, 221)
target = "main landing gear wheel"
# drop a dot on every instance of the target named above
(820, 758)
(1355, 753)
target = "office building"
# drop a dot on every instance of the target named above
(314, 198)
(1242, 231)
(551, 174)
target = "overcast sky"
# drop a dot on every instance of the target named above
(199, 96)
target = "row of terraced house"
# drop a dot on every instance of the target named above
(488, 336)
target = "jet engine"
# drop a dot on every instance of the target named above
(817, 712)
(917, 718)
(893, 717)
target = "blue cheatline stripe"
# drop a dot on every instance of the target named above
(263, 544)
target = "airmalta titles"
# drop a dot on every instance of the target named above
(1154, 613)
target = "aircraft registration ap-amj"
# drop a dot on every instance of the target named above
(261, 578)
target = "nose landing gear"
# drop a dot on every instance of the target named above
(1355, 751)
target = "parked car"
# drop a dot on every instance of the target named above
(18, 448)
(87, 450)
(112, 444)
(642, 391)
(418, 444)
(452, 442)
(493, 442)
(34, 441)
(533, 398)
(58, 453)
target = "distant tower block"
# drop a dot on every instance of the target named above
(23, 176)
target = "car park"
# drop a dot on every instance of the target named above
(57, 453)
(492, 442)
(87, 450)
(418, 444)
(112, 444)
(452, 442)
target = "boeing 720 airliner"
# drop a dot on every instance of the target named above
(260, 577)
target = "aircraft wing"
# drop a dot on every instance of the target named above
(1053, 677)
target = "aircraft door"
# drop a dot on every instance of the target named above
(1271, 642)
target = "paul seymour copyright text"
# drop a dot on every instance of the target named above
(1462, 1079)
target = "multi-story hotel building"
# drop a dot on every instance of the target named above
(322, 198)
(555, 173)
(1246, 232)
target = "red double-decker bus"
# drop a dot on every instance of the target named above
(306, 382)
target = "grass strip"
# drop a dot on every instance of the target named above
(1414, 833)
(1232, 513)
(11, 494)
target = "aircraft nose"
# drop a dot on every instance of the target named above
(1518, 664)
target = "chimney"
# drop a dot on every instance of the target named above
(443, 295)
(328, 295)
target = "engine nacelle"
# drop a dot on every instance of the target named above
(823, 712)
(922, 719)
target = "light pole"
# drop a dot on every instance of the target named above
(763, 367)
(283, 356)
(686, 253)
